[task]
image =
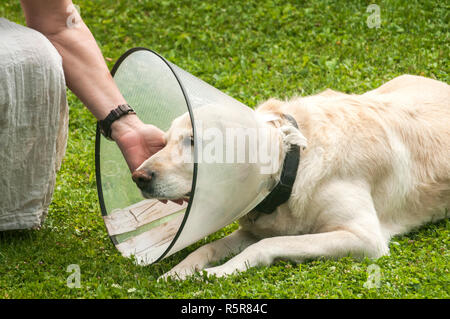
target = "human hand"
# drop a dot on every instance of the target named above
(137, 141)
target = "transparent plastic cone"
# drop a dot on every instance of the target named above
(231, 174)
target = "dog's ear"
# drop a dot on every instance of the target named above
(293, 136)
(270, 112)
(273, 118)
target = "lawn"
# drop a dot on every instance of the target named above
(251, 50)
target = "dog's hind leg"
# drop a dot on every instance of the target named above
(211, 253)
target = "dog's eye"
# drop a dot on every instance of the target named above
(188, 141)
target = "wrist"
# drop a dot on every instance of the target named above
(115, 115)
(124, 125)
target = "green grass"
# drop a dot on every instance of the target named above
(251, 50)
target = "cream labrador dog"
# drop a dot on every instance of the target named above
(376, 165)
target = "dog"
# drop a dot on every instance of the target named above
(376, 165)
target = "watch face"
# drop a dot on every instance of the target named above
(125, 108)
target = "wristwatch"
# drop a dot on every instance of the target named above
(114, 115)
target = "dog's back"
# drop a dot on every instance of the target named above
(420, 119)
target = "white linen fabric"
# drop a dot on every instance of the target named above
(33, 125)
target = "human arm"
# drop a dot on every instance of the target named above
(88, 77)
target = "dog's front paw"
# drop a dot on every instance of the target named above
(220, 271)
(192, 264)
(178, 273)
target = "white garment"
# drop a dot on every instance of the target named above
(33, 124)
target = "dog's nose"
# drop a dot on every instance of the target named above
(142, 178)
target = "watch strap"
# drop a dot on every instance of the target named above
(114, 115)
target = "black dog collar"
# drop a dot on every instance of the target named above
(283, 189)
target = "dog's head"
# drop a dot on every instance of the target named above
(168, 173)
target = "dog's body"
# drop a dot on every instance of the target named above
(376, 165)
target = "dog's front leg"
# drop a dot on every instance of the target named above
(210, 253)
(350, 226)
(332, 244)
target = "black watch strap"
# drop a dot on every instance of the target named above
(118, 112)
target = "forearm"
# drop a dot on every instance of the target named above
(85, 70)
